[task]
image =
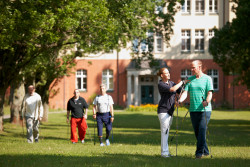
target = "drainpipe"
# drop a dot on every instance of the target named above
(117, 66)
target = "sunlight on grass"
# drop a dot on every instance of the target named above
(135, 142)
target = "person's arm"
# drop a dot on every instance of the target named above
(177, 86)
(208, 99)
(112, 113)
(183, 97)
(86, 113)
(94, 111)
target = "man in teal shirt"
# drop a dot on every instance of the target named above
(200, 87)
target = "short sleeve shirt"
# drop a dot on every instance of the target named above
(103, 103)
(198, 89)
(77, 107)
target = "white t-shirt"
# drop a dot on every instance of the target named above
(103, 103)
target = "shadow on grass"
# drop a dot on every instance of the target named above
(115, 160)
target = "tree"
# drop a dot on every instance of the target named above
(230, 45)
(33, 32)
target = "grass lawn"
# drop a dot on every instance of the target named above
(136, 142)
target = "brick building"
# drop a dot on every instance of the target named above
(127, 85)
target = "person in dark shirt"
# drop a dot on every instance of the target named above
(76, 105)
(165, 110)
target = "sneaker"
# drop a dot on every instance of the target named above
(102, 145)
(107, 142)
(205, 155)
(166, 156)
(73, 142)
(198, 156)
(82, 141)
(36, 140)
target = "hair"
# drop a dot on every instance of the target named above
(161, 71)
(198, 62)
(103, 85)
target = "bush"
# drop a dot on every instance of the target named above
(143, 107)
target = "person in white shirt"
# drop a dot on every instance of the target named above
(32, 109)
(103, 113)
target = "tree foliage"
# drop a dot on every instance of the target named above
(230, 45)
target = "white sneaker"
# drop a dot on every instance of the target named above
(107, 142)
(166, 156)
(82, 141)
(102, 145)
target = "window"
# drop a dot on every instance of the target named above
(145, 45)
(199, 6)
(210, 36)
(185, 73)
(159, 42)
(213, 6)
(215, 77)
(186, 7)
(107, 79)
(199, 40)
(185, 40)
(81, 80)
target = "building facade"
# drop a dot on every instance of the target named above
(129, 85)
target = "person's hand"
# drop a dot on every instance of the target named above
(94, 116)
(85, 116)
(112, 119)
(205, 103)
(177, 103)
(40, 119)
(67, 120)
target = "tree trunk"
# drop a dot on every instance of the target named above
(45, 111)
(2, 94)
(17, 95)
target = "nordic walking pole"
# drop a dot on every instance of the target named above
(207, 128)
(94, 130)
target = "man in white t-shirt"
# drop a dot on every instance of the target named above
(32, 109)
(103, 113)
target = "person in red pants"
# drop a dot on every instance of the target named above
(76, 105)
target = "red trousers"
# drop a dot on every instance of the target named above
(82, 128)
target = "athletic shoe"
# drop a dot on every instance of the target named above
(107, 142)
(73, 142)
(36, 140)
(166, 156)
(82, 141)
(102, 145)
(198, 156)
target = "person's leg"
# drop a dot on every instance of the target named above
(82, 128)
(36, 130)
(29, 126)
(195, 119)
(99, 127)
(164, 119)
(202, 148)
(108, 125)
(74, 138)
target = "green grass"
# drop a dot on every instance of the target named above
(136, 137)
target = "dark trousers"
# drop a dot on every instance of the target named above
(103, 118)
(199, 124)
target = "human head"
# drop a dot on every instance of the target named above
(196, 67)
(31, 89)
(164, 74)
(103, 89)
(76, 93)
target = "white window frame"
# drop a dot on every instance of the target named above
(185, 73)
(186, 7)
(143, 47)
(214, 74)
(199, 40)
(213, 6)
(108, 79)
(186, 35)
(198, 6)
(158, 43)
(82, 75)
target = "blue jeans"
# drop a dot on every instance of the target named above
(103, 118)
(199, 124)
